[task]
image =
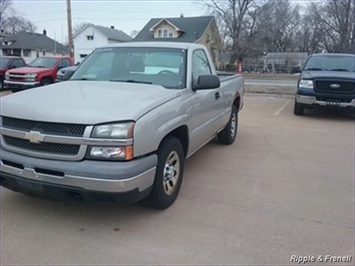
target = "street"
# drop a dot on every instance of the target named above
(273, 82)
(285, 188)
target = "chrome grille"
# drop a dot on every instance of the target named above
(75, 130)
(344, 87)
(44, 147)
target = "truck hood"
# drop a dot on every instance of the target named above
(86, 102)
(328, 75)
(29, 70)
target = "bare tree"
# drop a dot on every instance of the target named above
(335, 20)
(5, 9)
(232, 15)
(15, 24)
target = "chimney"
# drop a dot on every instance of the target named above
(44, 32)
(181, 15)
(112, 27)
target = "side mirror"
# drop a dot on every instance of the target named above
(207, 82)
(67, 74)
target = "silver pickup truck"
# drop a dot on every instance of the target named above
(121, 128)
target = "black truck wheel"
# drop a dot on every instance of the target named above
(298, 109)
(229, 133)
(45, 82)
(168, 175)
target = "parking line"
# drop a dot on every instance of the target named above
(278, 111)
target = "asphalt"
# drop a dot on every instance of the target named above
(285, 188)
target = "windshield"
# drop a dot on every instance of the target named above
(331, 63)
(149, 65)
(44, 62)
(3, 62)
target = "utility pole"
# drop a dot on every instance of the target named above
(70, 30)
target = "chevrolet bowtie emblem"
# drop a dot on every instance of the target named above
(34, 136)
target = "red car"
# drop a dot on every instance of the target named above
(9, 62)
(41, 71)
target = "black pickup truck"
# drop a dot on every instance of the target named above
(327, 80)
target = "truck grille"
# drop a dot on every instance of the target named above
(44, 147)
(342, 87)
(74, 130)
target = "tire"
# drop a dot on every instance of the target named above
(45, 82)
(1, 83)
(169, 174)
(228, 135)
(298, 109)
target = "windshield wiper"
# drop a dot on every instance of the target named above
(315, 68)
(340, 69)
(131, 81)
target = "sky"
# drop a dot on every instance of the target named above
(126, 15)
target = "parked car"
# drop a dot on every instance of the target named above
(327, 80)
(61, 72)
(9, 62)
(121, 128)
(41, 71)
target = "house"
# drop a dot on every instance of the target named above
(201, 30)
(30, 45)
(92, 36)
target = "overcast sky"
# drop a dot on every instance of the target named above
(125, 15)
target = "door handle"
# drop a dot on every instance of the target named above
(216, 96)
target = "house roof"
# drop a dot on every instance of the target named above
(110, 33)
(192, 29)
(27, 40)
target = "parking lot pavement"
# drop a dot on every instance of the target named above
(286, 187)
(4, 92)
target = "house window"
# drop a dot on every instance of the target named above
(82, 56)
(165, 33)
(16, 52)
(44, 53)
(90, 37)
(26, 52)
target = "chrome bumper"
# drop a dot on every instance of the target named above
(100, 176)
(311, 100)
(29, 84)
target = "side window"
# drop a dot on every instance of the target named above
(200, 65)
(64, 63)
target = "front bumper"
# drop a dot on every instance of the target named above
(18, 172)
(20, 83)
(311, 100)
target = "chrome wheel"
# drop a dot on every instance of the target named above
(171, 173)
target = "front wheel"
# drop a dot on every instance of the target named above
(298, 109)
(229, 133)
(45, 82)
(168, 175)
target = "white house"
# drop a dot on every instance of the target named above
(30, 45)
(92, 36)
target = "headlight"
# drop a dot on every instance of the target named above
(7, 76)
(305, 83)
(111, 153)
(114, 131)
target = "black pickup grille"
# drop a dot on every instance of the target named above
(335, 86)
(75, 130)
(44, 147)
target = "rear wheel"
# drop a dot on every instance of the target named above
(168, 175)
(229, 133)
(298, 109)
(45, 82)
